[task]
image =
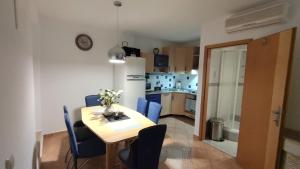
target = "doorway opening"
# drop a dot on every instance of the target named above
(223, 92)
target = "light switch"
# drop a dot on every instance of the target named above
(9, 163)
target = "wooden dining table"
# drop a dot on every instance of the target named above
(112, 133)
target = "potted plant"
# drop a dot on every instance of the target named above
(109, 97)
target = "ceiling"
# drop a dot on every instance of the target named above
(172, 20)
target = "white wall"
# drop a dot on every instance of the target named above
(17, 120)
(214, 32)
(147, 44)
(66, 74)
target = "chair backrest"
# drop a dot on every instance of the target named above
(142, 105)
(154, 112)
(92, 100)
(72, 137)
(145, 150)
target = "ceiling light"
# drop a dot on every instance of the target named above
(117, 53)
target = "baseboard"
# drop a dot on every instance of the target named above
(196, 137)
(38, 149)
(54, 133)
(39, 141)
(174, 115)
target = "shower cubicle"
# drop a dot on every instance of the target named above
(225, 87)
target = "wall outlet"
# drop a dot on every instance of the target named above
(10, 163)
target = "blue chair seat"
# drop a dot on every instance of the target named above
(78, 123)
(83, 133)
(91, 148)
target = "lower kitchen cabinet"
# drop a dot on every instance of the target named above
(178, 103)
(166, 100)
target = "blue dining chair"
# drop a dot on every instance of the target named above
(92, 100)
(142, 106)
(144, 152)
(86, 149)
(154, 112)
(82, 133)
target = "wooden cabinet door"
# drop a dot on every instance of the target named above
(170, 51)
(166, 103)
(264, 100)
(180, 60)
(149, 62)
(189, 59)
(178, 103)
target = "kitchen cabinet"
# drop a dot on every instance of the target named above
(182, 59)
(149, 58)
(170, 51)
(166, 100)
(178, 103)
(192, 58)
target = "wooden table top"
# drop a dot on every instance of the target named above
(112, 132)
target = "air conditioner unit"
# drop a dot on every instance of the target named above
(263, 15)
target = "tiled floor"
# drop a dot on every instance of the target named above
(180, 151)
(227, 146)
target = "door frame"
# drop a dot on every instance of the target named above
(205, 79)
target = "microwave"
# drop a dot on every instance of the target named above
(161, 61)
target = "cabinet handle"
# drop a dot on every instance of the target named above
(175, 69)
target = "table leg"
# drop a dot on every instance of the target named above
(111, 155)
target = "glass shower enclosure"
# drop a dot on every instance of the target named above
(225, 87)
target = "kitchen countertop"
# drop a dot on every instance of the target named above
(184, 91)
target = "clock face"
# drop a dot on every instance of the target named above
(84, 42)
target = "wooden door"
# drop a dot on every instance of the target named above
(166, 103)
(180, 60)
(263, 107)
(149, 62)
(170, 51)
(178, 103)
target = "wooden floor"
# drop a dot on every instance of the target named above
(180, 151)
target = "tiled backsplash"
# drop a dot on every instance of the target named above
(167, 81)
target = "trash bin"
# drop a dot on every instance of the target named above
(217, 129)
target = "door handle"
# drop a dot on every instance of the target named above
(277, 116)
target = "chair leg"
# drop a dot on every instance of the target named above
(67, 154)
(69, 162)
(75, 163)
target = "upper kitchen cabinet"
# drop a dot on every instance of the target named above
(170, 51)
(149, 68)
(192, 58)
(182, 59)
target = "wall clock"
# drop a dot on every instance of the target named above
(84, 42)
